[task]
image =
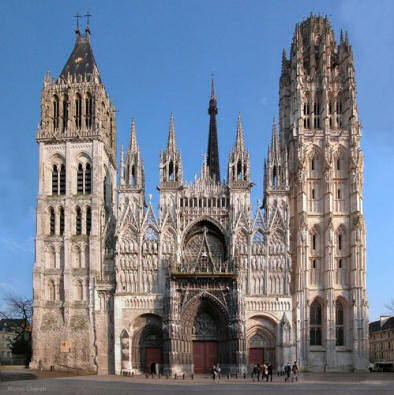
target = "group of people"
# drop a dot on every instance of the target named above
(262, 371)
(291, 371)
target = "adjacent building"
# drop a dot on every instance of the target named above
(208, 278)
(381, 342)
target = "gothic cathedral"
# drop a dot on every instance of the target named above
(207, 279)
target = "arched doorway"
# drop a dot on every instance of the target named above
(261, 344)
(205, 325)
(205, 340)
(147, 342)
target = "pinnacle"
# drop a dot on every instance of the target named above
(274, 139)
(239, 143)
(171, 145)
(133, 145)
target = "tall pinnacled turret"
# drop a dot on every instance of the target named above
(239, 160)
(213, 150)
(275, 167)
(170, 161)
(134, 167)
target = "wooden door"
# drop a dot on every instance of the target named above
(152, 354)
(205, 355)
(256, 355)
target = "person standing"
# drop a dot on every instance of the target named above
(254, 372)
(294, 369)
(258, 372)
(269, 369)
(266, 371)
(287, 371)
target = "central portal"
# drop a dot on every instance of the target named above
(205, 348)
(205, 354)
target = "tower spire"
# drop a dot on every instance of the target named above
(213, 151)
(239, 143)
(133, 145)
(171, 144)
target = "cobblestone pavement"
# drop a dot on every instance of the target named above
(310, 384)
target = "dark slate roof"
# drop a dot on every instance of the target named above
(10, 323)
(375, 325)
(81, 60)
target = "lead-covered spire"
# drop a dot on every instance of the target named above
(213, 150)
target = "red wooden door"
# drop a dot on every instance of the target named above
(205, 355)
(256, 355)
(153, 354)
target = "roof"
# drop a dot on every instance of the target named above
(81, 60)
(11, 323)
(375, 325)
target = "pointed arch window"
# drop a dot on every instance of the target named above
(79, 290)
(78, 221)
(55, 112)
(80, 179)
(65, 112)
(274, 177)
(315, 324)
(314, 241)
(51, 290)
(62, 181)
(61, 221)
(171, 173)
(132, 176)
(339, 324)
(88, 179)
(78, 111)
(89, 111)
(88, 220)
(239, 170)
(52, 221)
(55, 180)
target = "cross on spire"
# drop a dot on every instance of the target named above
(77, 18)
(87, 16)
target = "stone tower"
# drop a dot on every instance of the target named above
(73, 270)
(321, 132)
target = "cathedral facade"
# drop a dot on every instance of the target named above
(208, 279)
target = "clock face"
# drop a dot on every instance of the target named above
(78, 60)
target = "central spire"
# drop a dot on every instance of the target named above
(213, 151)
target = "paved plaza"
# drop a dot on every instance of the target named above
(327, 384)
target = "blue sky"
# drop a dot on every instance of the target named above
(156, 57)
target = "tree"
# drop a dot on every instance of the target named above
(390, 306)
(19, 310)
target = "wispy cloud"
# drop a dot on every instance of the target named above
(12, 244)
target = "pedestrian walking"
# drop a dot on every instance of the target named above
(258, 372)
(287, 371)
(294, 369)
(215, 374)
(254, 372)
(266, 371)
(269, 369)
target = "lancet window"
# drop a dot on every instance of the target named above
(315, 324)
